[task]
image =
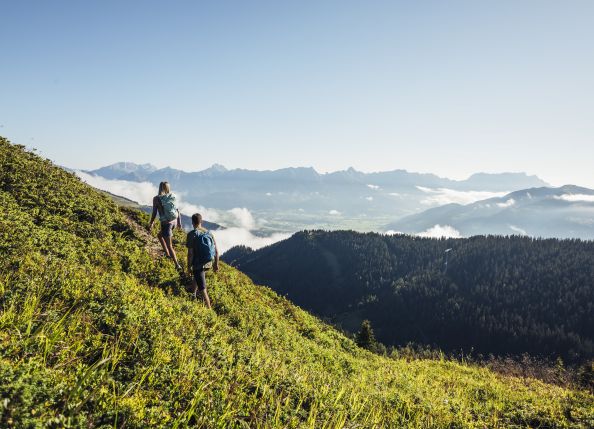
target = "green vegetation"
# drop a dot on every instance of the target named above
(499, 295)
(94, 332)
(366, 338)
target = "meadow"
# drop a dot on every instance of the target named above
(96, 331)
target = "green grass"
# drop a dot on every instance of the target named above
(95, 333)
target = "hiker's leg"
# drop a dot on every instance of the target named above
(194, 286)
(199, 282)
(167, 234)
(172, 255)
(163, 244)
(206, 298)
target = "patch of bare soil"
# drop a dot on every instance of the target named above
(151, 243)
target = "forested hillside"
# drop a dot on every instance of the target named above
(500, 295)
(95, 331)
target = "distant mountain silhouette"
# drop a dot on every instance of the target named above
(386, 195)
(482, 181)
(565, 212)
(128, 169)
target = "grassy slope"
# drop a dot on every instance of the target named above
(94, 332)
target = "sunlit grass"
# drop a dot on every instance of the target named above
(95, 333)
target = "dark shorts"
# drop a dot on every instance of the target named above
(167, 228)
(200, 277)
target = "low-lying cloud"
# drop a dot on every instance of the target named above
(576, 198)
(244, 219)
(239, 221)
(507, 203)
(442, 196)
(438, 231)
(230, 237)
(189, 209)
(141, 192)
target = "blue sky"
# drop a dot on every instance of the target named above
(449, 87)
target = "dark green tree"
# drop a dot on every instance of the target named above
(365, 337)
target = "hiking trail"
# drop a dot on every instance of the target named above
(151, 243)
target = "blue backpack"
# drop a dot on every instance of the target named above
(203, 247)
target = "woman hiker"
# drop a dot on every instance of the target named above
(166, 204)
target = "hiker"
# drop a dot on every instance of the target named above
(166, 204)
(203, 254)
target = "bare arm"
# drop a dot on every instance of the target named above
(154, 214)
(215, 266)
(190, 257)
(179, 223)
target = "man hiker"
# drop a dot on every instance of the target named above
(166, 204)
(203, 254)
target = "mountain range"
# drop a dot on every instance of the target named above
(294, 176)
(295, 198)
(564, 212)
(290, 199)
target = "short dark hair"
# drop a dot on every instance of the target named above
(196, 219)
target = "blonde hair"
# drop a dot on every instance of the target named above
(164, 188)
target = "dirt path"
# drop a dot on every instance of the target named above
(151, 243)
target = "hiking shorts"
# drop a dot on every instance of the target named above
(200, 278)
(167, 228)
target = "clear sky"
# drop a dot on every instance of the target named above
(449, 87)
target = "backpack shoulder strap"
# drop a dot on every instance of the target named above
(159, 204)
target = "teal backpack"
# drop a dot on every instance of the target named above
(168, 207)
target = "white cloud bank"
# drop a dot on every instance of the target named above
(240, 221)
(376, 187)
(243, 217)
(576, 198)
(507, 203)
(141, 192)
(189, 209)
(227, 238)
(334, 213)
(442, 196)
(438, 231)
